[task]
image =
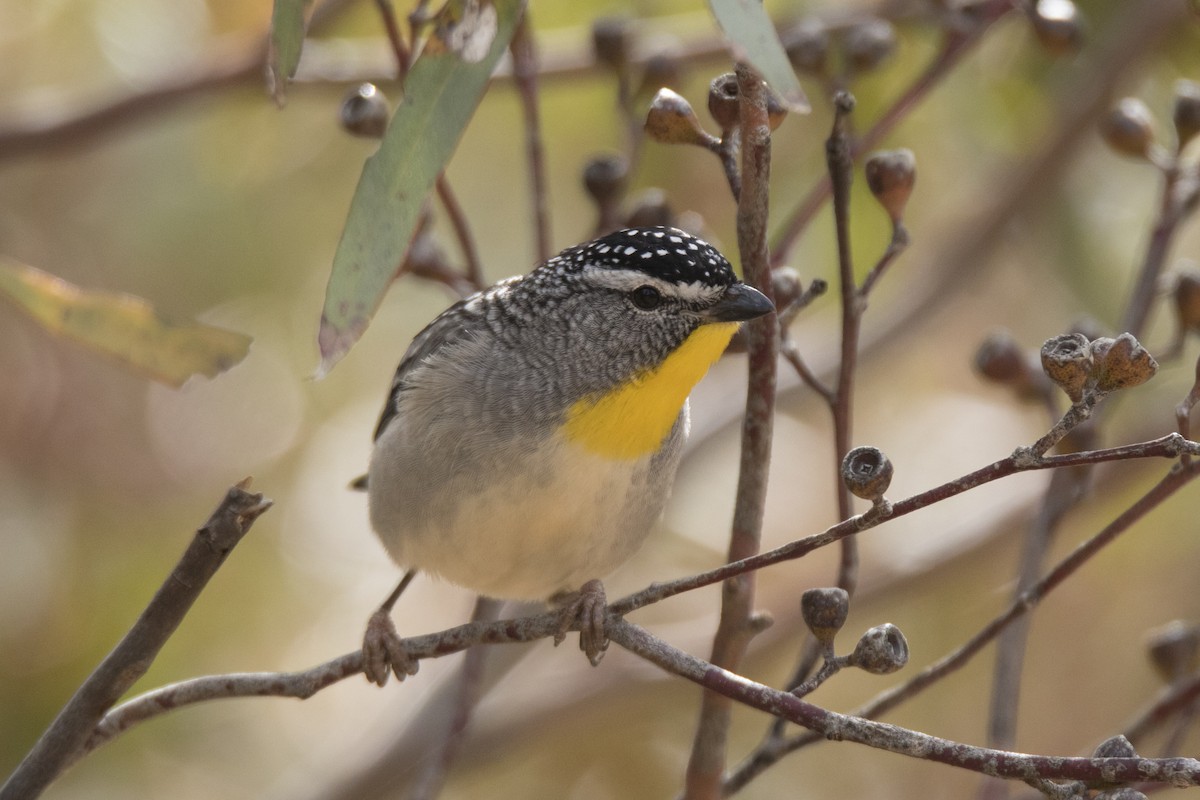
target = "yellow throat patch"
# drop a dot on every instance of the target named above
(634, 418)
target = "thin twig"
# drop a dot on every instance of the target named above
(1180, 695)
(841, 727)
(1174, 480)
(956, 44)
(1170, 446)
(462, 232)
(525, 76)
(470, 687)
(735, 630)
(1166, 224)
(898, 244)
(391, 26)
(839, 158)
(231, 61)
(527, 629)
(138, 648)
(791, 353)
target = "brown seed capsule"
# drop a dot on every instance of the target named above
(650, 210)
(807, 45)
(1187, 298)
(881, 650)
(1174, 649)
(661, 69)
(867, 473)
(605, 177)
(824, 611)
(1121, 363)
(890, 176)
(1129, 128)
(1187, 111)
(365, 111)
(671, 120)
(1115, 747)
(1067, 361)
(1001, 359)
(723, 103)
(1058, 26)
(869, 43)
(612, 39)
(776, 113)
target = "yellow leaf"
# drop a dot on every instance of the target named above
(122, 326)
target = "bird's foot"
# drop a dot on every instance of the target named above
(587, 606)
(384, 652)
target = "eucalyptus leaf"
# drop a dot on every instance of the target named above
(755, 41)
(122, 326)
(287, 38)
(441, 93)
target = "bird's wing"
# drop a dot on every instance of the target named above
(448, 327)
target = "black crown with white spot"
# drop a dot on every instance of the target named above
(666, 253)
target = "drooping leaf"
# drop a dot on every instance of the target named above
(287, 38)
(122, 326)
(755, 41)
(441, 92)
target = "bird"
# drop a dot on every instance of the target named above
(532, 433)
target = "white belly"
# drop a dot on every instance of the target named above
(514, 532)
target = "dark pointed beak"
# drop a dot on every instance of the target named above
(740, 303)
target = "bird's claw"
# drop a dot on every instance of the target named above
(587, 607)
(384, 652)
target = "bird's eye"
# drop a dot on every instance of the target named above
(646, 298)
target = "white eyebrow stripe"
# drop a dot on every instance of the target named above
(626, 280)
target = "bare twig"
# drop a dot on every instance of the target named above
(527, 629)
(839, 158)
(957, 43)
(525, 76)
(1179, 696)
(232, 61)
(735, 629)
(841, 727)
(136, 651)
(1174, 480)
(391, 26)
(462, 232)
(1166, 224)
(1169, 446)
(470, 686)
(1063, 492)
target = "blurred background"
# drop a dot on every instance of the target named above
(220, 206)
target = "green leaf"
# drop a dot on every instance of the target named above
(755, 41)
(287, 37)
(122, 326)
(441, 93)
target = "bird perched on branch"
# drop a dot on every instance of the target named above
(532, 433)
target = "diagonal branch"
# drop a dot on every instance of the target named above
(136, 651)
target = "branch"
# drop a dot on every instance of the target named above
(736, 626)
(232, 61)
(956, 45)
(136, 651)
(1094, 772)
(1022, 605)
(525, 76)
(1170, 446)
(304, 684)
